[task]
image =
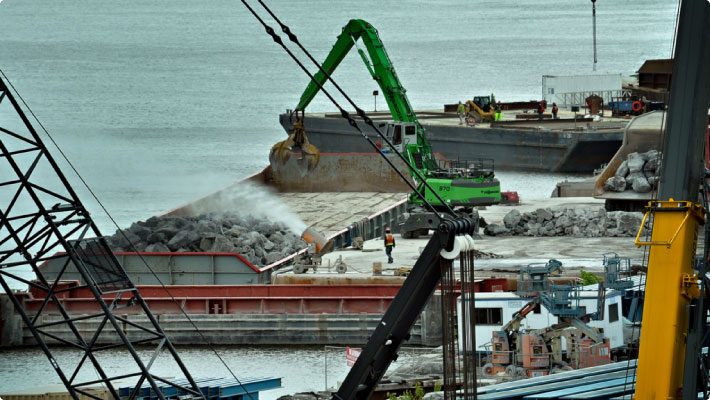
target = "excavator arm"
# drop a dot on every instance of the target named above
(378, 64)
(382, 71)
(461, 183)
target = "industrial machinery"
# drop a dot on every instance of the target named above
(461, 184)
(674, 330)
(633, 105)
(296, 144)
(534, 278)
(614, 268)
(541, 351)
(42, 214)
(480, 109)
(311, 258)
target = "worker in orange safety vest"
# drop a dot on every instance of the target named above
(389, 245)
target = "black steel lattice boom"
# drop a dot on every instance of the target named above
(41, 216)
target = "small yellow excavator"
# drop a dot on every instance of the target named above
(481, 109)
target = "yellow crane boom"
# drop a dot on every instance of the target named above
(669, 347)
(671, 285)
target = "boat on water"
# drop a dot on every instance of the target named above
(345, 196)
(221, 290)
(574, 145)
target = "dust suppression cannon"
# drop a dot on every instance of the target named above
(321, 243)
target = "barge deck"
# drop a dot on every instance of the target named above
(566, 145)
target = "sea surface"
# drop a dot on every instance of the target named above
(305, 368)
(157, 103)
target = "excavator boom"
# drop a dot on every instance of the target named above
(469, 184)
(380, 66)
(377, 61)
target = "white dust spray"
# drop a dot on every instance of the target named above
(250, 198)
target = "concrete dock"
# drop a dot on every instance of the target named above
(509, 251)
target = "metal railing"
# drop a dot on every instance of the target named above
(578, 98)
(469, 168)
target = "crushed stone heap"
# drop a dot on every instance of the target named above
(577, 222)
(639, 172)
(260, 241)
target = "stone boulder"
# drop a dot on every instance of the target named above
(157, 248)
(183, 239)
(595, 222)
(623, 169)
(512, 219)
(543, 214)
(615, 184)
(495, 230)
(639, 183)
(259, 241)
(635, 162)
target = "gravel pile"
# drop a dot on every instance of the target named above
(260, 241)
(639, 172)
(595, 222)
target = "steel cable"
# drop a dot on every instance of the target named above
(121, 231)
(276, 38)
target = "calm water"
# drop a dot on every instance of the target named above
(300, 368)
(160, 102)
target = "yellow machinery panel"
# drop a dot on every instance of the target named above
(670, 285)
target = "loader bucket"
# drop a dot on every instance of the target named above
(296, 145)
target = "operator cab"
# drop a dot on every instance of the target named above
(401, 134)
(484, 102)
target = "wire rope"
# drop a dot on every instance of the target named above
(123, 234)
(292, 37)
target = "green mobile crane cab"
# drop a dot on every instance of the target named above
(461, 184)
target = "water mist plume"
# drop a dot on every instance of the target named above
(250, 198)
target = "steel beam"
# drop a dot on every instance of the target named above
(58, 220)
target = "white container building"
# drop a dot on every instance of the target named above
(571, 90)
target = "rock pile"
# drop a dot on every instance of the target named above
(426, 365)
(639, 172)
(260, 241)
(567, 222)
